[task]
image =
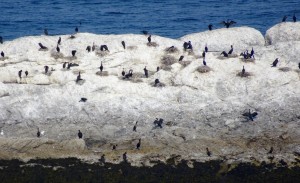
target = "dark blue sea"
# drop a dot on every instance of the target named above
(173, 18)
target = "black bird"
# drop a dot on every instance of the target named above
(42, 46)
(46, 32)
(274, 64)
(93, 47)
(146, 72)
(138, 145)
(228, 23)
(46, 69)
(123, 72)
(38, 134)
(88, 48)
(64, 65)
(79, 134)
(190, 45)
(104, 48)
(181, 58)
(250, 115)
(101, 67)
(2, 54)
(271, 150)
(208, 152)
(243, 71)
(158, 122)
(114, 147)
(156, 82)
(123, 44)
(125, 157)
(134, 127)
(210, 27)
(203, 54)
(127, 76)
(26, 73)
(20, 74)
(145, 32)
(231, 50)
(204, 63)
(83, 100)
(149, 39)
(76, 29)
(73, 53)
(294, 18)
(1, 39)
(57, 49)
(225, 54)
(299, 65)
(69, 65)
(59, 41)
(102, 159)
(252, 53)
(157, 68)
(206, 48)
(284, 18)
(78, 77)
(185, 45)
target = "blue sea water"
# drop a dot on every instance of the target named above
(173, 18)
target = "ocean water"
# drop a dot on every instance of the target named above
(171, 19)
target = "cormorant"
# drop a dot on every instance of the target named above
(57, 49)
(102, 159)
(76, 29)
(252, 53)
(203, 54)
(157, 68)
(134, 127)
(231, 50)
(225, 54)
(208, 152)
(123, 44)
(20, 74)
(2, 54)
(69, 65)
(26, 73)
(185, 45)
(129, 74)
(42, 46)
(59, 41)
(1, 39)
(114, 147)
(156, 82)
(93, 47)
(46, 69)
(83, 100)
(299, 65)
(228, 23)
(206, 48)
(271, 150)
(284, 18)
(250, 115)
(79, 134)
(78, 77)
(104, 48)
(88, 48)
(146, 72)
(149, 39)
(125, 157)
(181, 58)
(138, 145)
(73, 53)
(158, 122)
(101, 67)
(210, 27)
(204, 63)
(64, 65)
(46, 32)
(274, 64)
(145, 32)
(294, 18)
(123, 72)
(243, 71)
(38, 134)
(190, 45)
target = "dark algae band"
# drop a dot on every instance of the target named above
(74, 170)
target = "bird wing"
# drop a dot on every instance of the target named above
(254, 114)
(223, 22)
(232, 22)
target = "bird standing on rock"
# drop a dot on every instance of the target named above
(228, 23)
(20, 74)
(274, 64)
(294, 18)
(78, 77)
(57, 49)
(156, 82)
(204, 63)
(208, 152)
(79, 134)
(73, 53)
(46, 69)
(123, 44)
(149, 39)
(243, 71)
(46, 32)
(181, 58)
(134, 127)
(2, 54)
(123, 72)
(38, 134)
(146, 72)
(101, 67)
(138, 145)
(26, 73)
(284, 18)
(210, 27)
(125, 157)
(76, 29)
(59, 41)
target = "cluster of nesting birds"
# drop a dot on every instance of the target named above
(187, 46)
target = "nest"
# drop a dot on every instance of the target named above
(158, 84)
(80, 82)
(57, 55)
(185, 63)
(246, 74)
(284, 69)
(204, 69)
(248, 60)
(103, 73)
(131, 47)
(172, 49)
(3, 58)
(168, 60)
(152, 44)
(43, 49)
(232, 56)
(102, 53)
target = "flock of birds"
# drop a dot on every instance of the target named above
(250, 116)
